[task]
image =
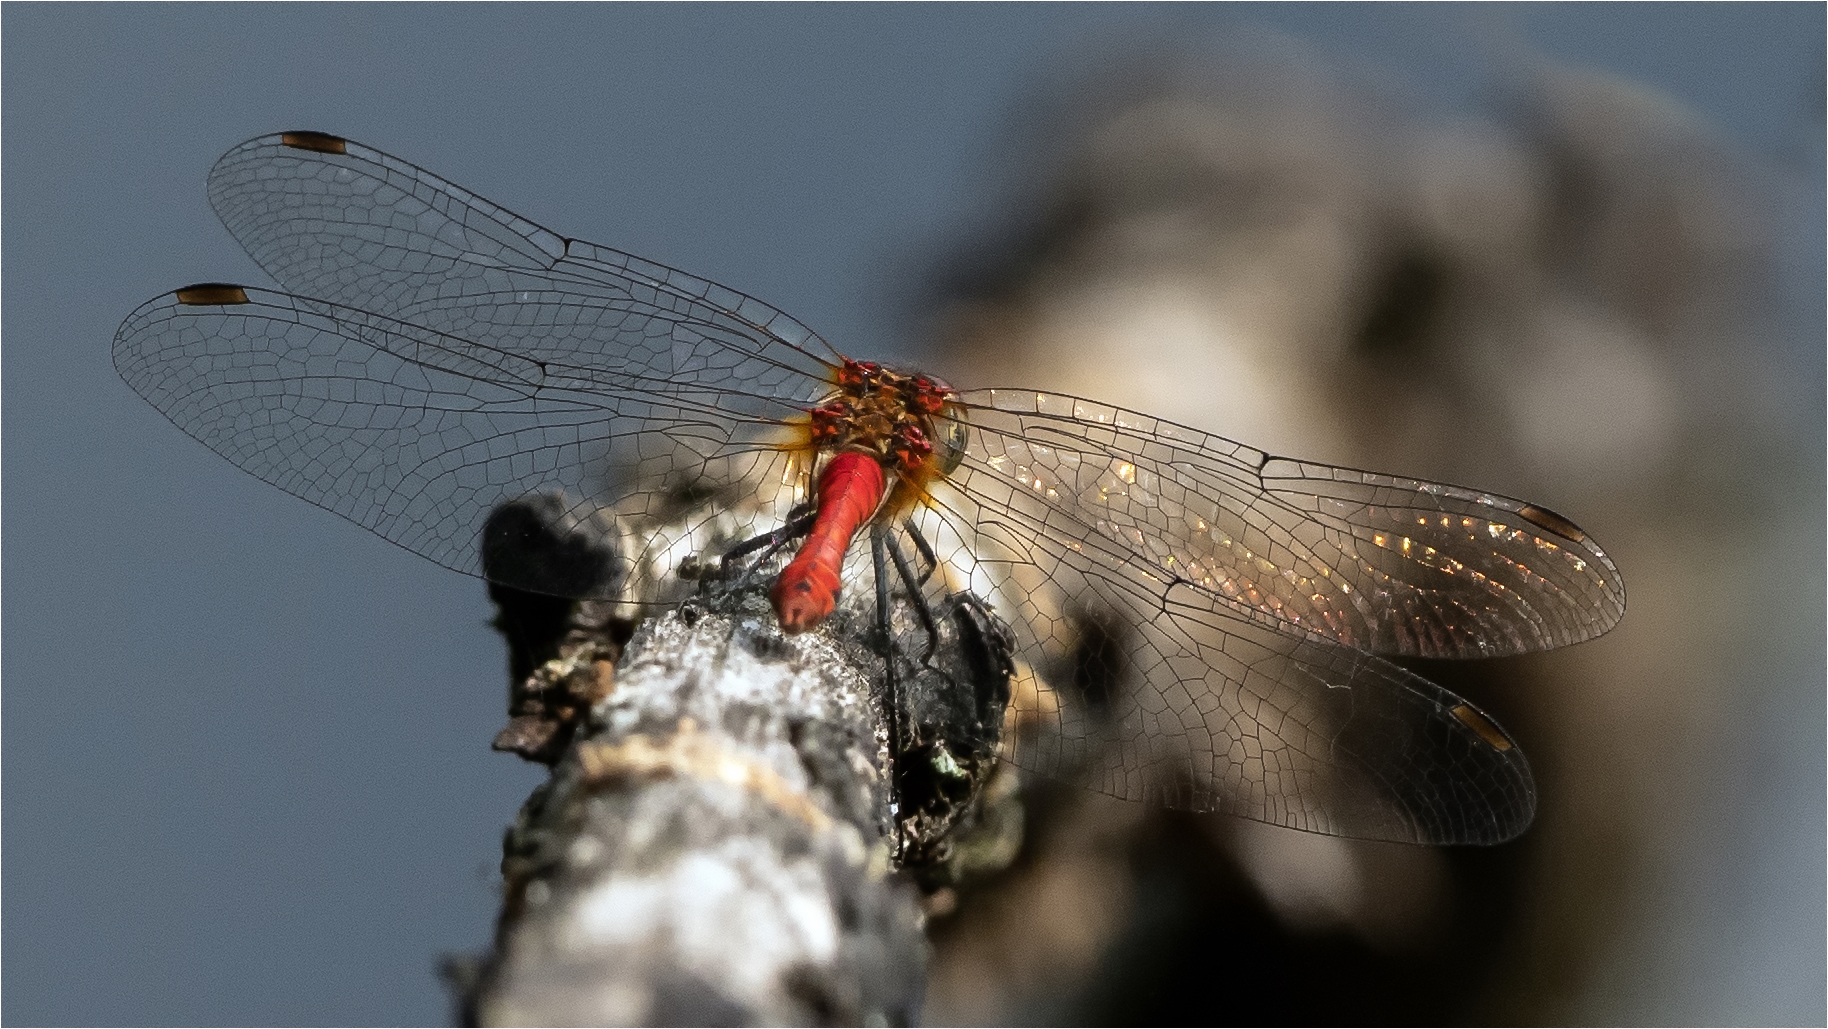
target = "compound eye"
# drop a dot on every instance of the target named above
(853, 373)
(955, 436)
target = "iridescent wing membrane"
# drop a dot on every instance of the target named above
(444, 356)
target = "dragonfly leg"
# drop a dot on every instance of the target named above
(916, 598)
(799, 523)
(925, 548)
(891, 703)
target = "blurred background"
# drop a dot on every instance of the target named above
(1570, 253)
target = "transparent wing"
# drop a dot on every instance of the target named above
(418, 435)
(1383, 564)
(1148, 700)
(337, 221)
(1210, 618)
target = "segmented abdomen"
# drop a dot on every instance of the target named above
(850, 489)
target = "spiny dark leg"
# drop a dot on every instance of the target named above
(925, 548)
(916, 598)
(799, 523)
(891, 703)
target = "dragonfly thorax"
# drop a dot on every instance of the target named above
(876, 421)
(892, 416)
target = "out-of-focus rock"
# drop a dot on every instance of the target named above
(1571, 301)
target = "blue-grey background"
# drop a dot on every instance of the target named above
(246, 775)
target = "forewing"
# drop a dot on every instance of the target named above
(418, 435)
(334, 220)
(1383, 564)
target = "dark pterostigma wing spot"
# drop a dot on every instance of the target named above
(321, 142)
(211, 294)
(1543, 518)
(1488, 731)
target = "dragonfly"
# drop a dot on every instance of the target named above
(431, 356)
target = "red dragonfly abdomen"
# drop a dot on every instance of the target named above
(850, 488)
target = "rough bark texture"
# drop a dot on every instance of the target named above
(710, 847)
(740, 823)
